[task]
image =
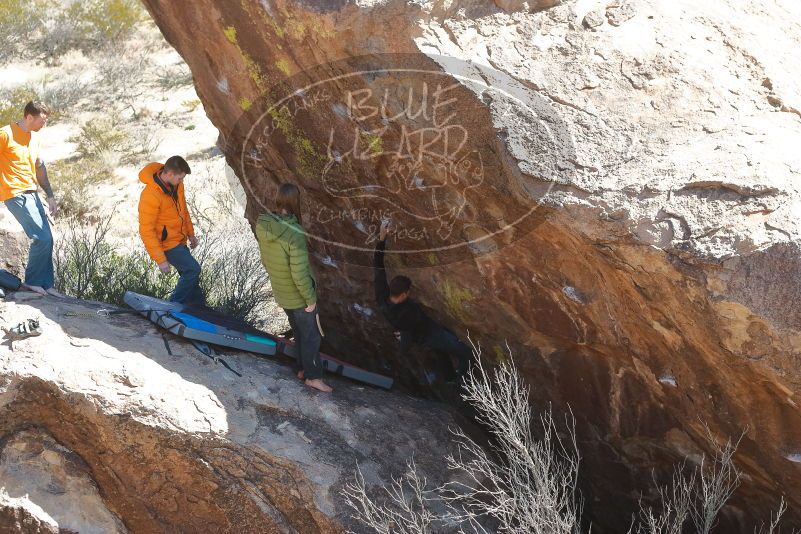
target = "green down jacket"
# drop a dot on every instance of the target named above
(282, 243)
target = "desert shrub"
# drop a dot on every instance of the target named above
(58, 33)
(19, 19)
(232, 274)
(90, 266)
(61, 97)
(102, 138)
(108, 20)
(89, 25)
(74, 183)
(528, 485)
(47, 29)
(124, 81)
(191, 105)
(174, 77)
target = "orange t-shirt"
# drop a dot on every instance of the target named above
(18, 153)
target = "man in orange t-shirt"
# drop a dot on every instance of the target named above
(22, 171)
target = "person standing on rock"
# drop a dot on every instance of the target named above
(165, 226)
(411, 323)
(22, 171)
(282, 244)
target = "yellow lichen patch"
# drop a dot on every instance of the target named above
(254, 71)
(374, 143)
(321, 30)
(245, 103)
(283, 66)
(230, 34)
(282, 119)
(501, 356)
(297, 29)
(307, 146)
(279, 31)
(393, 260)
(455, 298)
(308, 161)
(432, 259)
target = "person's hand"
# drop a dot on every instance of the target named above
(311, 307)
(164, 267)
(192, 241)
(386, 224)
(53, 205)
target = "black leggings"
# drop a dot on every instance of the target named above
(307, 341)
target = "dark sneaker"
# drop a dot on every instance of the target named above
(24, 330)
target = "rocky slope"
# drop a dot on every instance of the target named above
(106, 429)
(611, 187)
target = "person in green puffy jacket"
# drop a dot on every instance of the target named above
(282, 243)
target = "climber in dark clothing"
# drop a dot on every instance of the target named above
(407, 317)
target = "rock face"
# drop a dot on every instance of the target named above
(611, 188)
(103, 430)
(21, 515)
(12, 243)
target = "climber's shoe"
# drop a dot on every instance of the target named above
(23, 330)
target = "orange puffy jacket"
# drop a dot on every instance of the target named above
(164, 221)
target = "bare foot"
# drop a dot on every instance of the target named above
(35, 289)
(301, 374)
(53, 293)
(319, 385)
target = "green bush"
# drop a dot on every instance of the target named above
(108, 20)
(89, 266)
(232, 276)
(49, 28)
(19, 19)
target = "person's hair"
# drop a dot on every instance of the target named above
(177, 164)
(36, 109)
(288, 199)
(398, 285)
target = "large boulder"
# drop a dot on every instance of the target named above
(609, 187)
(107, 425)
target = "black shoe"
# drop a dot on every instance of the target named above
(24, 330)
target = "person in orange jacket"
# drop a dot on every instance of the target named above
(165, 226)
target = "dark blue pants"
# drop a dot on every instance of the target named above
(187, 291)
(307, 342)
(445, 343)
